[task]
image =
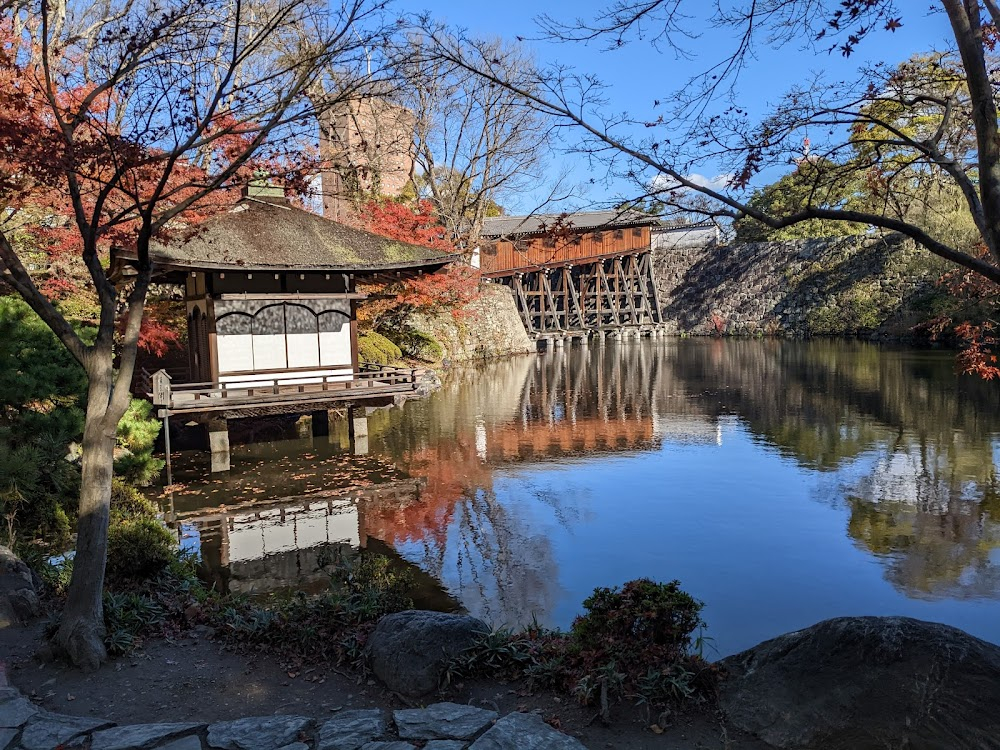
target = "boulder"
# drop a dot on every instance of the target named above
(19, 590)
(867, 682)
(409, 650)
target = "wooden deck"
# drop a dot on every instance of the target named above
(281, 394)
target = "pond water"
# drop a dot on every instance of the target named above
(781, 482)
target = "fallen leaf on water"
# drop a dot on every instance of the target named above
(656, 729)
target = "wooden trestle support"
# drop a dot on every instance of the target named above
(605, 294)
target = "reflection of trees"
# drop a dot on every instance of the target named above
(937, 530)
(928, 505)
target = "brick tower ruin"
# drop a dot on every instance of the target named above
(367, 149)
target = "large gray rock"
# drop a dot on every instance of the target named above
(409, 650)
(350, 730)
(442, 721)
(867, 682)
(525, 732)
(19, 590)
(46, 731)
(446, 745)
(257, 733)
(389, 745)
(139, 736)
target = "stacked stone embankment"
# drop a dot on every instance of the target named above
(855, 285)
(487, 328)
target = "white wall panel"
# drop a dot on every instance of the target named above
(269, 352)
(235, 353)
(335, 347)
(303, 350)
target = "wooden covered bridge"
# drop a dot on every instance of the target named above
(576, 275)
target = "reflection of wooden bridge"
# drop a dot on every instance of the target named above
(577, 274)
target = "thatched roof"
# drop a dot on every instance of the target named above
(257, 235)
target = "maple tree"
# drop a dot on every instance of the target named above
(448, 289)
(120, 122)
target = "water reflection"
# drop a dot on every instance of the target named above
(736, 466)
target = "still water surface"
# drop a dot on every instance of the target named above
(781, 482)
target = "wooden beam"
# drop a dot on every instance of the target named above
(522, 304)
(571, 287)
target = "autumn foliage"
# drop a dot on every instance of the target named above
(449, 289)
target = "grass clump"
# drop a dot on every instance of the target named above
(330, 628)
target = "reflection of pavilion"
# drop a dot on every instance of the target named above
(266, 546)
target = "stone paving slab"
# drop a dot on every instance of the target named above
(47, 730)
(441, 726)
(185, 743)
(349, 730)
(257, 732)
(139, 736)
(525, 732)
(442, 721)
(15, 709)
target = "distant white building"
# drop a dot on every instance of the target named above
(684, 237)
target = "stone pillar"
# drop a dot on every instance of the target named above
(321, 423)
(357, 426)
(557, 343)
(218, 444)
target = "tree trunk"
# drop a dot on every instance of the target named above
(81, 629)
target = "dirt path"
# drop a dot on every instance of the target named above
(193, 679)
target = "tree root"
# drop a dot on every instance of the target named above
(81, 640)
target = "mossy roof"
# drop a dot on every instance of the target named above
(258, 235)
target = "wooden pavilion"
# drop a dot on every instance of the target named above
(272, 293)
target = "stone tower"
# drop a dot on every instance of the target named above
(367, 149)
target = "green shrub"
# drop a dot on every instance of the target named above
(139, 548)
(376, 349)
(634, 642)
(127, 502)
(417, 344)
(137, 432)
(642, 618)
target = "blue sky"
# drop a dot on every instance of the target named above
(638, 73)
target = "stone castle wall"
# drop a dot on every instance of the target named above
(488, 327)
(856, 285)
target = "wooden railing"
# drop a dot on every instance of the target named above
(370, 380)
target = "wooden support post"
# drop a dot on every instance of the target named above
(321, 423)
(657, 306)
(522, 304)
(218, 444)
(357, 427)
(575, 298)
(549, 299)
(612, 306)
(166, 446)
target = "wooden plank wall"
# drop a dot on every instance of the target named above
(508, 256)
